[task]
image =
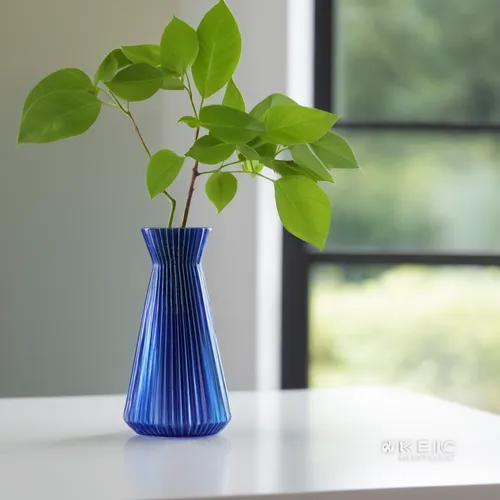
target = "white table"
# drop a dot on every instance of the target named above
(314, 444)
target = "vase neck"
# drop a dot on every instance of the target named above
(176, 245)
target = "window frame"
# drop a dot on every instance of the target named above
(297, 261)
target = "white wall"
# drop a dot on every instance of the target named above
(73, 267)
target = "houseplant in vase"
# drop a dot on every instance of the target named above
(177, 386)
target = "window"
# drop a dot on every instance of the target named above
(407, 291)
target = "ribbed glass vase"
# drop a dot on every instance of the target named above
(177, 387)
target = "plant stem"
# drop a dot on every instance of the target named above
(190, 92)
(229, 164)
(173, 202)
(220, 168)
(112, 96)
(194, 175)
(99, 89)
(251, 173)
(236, 172)
(129, 114)
(110, 104)
(105, 92)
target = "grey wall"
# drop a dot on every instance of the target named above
(73, 267)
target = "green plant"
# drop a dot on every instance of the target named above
(278, 140)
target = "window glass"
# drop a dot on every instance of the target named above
(418, 60)
(429, 329)
(436, 192)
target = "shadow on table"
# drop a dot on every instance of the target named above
(96, 439)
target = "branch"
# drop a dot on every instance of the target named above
(251, 173)
(172, 210)
(190, 92)
(194, 175)
(173, 202)
(129, 114)
(236, 172)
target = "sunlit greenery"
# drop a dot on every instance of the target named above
(432, 329)
(419, 191)
(418, 60)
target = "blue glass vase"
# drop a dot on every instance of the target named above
(177, 387)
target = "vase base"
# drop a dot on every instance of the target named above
(184, 431)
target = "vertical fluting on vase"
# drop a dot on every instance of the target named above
(177, 387)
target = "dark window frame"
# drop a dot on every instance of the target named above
(297, 260)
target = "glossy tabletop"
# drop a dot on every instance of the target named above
(344, 444)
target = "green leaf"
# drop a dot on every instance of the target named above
(252, 166)
(233, 97)
(334, 152)
(263, 148)
(210, 150)
(304, 209)
(221, 188)
(163, 168)
(59, 115)
(114, 61)
(305, 157)
(230, 125)
(190, 121)
(287, 167)
(179, 46)
(220, 50)
(281, 167)
(269, 102)
(289, 125)
(267, 149)
(171, 82)
(64, 79)
(248, 152)
(148, 54)
(137, 82)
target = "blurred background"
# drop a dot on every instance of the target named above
(407, 292)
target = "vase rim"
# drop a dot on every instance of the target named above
(176, 228)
